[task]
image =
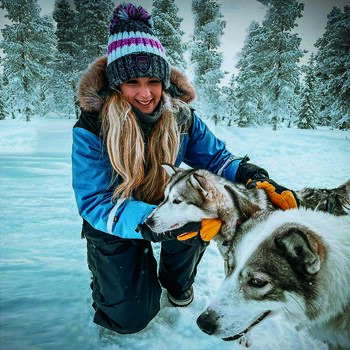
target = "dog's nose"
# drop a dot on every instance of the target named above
(207, 322)
(149, 222)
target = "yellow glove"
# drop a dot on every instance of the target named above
(279, 195)
(209, 228)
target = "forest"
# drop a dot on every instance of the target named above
(43, 58)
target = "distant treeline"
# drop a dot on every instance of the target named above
(43, 58)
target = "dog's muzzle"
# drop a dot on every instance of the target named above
(239, 335)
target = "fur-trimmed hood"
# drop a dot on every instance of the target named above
(93, 86)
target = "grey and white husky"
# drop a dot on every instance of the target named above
(192, 195)
(294, 263)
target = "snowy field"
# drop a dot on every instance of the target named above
(44, 288)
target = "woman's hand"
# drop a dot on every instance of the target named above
(193, 233)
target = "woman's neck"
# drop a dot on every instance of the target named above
(147, 121)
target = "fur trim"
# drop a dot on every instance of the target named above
(179, 80)
(93, 86)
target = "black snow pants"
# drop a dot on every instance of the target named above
(125, 287)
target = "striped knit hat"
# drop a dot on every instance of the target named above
(133, 49)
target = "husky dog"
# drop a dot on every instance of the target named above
(193, 195)
(295, 263)
(275, 261)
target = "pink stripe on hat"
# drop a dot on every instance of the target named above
(114, 45)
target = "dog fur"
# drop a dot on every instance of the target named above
(195, 194)
(295, 263)
(301, 291)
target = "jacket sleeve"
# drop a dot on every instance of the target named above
(91, 176)
(206, 151)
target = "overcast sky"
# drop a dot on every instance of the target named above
(238, 14)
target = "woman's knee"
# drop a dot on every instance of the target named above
(125, 287)
(128, 317)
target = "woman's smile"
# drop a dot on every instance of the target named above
(143, 93)
(145, 103)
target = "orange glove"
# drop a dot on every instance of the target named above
(209, 228)
(279, 195)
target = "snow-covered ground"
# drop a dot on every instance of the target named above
(44, 289)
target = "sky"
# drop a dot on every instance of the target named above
(238, 15)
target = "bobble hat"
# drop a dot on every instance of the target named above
(133, 49)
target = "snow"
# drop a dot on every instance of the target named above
(44, 290)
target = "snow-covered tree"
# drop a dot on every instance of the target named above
(229, 111)
(66, 33)
(29, 50)
(46, 44)
(248, 81)
(2, 100)
(333, 66)
(2, 108)
(167, 25)
(8, 98)
(67, 65)
(205, 56)
(92, 34)
(307, 114)
(279, 56)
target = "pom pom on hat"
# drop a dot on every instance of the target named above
(125, 12)
(133, 49)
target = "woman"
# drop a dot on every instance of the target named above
(135, 116)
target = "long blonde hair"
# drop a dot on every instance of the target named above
(138, 166)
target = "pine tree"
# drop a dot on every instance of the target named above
(279, 57)
(248, 81)
(332, 65)
(67, 65)
(205, 55)
(67, 34)
(2, 99)
(2, 108)
(46, 44)
(29, 48)
(229, 103)
(293, 116)
(308, 107)
(92, 35)
(167, 26)
(10, 107)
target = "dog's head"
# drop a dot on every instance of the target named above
(277, 264)
(190, 196)
(194, 195)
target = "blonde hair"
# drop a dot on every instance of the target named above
(139, 167)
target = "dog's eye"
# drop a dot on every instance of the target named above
(177, 201)
(257, 283)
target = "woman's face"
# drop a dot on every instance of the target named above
(143, 93)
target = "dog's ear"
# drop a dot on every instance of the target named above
(301, 248)
(171, 169)
(200, 184)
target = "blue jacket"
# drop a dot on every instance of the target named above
(92, 171)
